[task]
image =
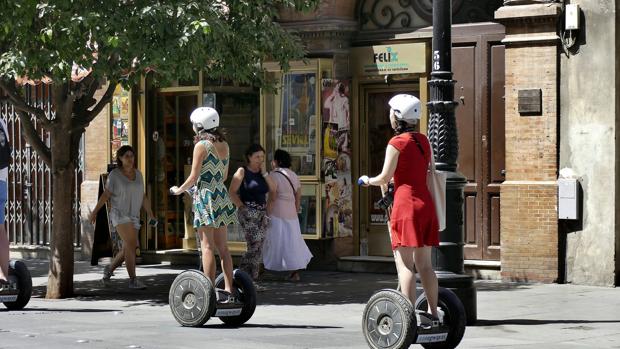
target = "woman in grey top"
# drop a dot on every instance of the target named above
(125, 191)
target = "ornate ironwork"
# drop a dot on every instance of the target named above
(384, 14)
(29, 206)
(411, 14)
(424, 8)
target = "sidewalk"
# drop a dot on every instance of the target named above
(322, 311)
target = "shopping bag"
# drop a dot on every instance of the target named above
(436, 183)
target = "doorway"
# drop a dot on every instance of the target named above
(478, 66)
(170, 146)
(375, 133)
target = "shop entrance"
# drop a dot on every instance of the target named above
(374, 136)
(169, 145)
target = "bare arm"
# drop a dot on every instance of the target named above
(273, 192)
(199, 154)
(235, 184)
(227, 163)
(102, 201)
(298, 199)
(389, 167)
(146, 205)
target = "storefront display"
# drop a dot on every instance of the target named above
(300, 118)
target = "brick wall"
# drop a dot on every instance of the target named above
(326, 9)
(529, 237)
(531, 141)
(529, 228)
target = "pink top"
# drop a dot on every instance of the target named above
(284, 205)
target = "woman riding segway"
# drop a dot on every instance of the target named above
(414, 230)
(193, 297)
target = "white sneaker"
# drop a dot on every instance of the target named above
(136, 284)
(107, 274)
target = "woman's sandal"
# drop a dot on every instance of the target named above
(294, 277)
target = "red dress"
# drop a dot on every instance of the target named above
(413, 220)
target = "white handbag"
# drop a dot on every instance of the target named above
(436, 183)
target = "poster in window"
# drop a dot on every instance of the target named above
(120, 119)
(297, 130)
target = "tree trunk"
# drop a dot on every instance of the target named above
(60, 279)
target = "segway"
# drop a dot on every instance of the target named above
(390, 321)
(194, 299)
(20, 286)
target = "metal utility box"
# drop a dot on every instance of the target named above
(568, 199)
(571, 19)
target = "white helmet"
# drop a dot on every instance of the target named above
(406, 107)
(204, 118)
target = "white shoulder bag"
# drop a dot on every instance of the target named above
(436, 183)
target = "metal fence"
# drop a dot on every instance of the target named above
(29, 208)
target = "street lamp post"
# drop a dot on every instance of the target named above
(442, 132)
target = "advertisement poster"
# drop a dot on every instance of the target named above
(336, 166)
(121, 114)
(298, 110)
(297, 131)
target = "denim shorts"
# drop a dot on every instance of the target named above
(3, 198)
(118, 218)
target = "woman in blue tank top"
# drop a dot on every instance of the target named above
(248, 191)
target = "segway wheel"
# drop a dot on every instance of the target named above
(244, 292)
(18, 273)
(389, 321)
(192, 298)
(454, 318)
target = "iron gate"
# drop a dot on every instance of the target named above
(29, 207)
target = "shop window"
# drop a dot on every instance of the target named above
(294, 124)
(120, 116)
(309, 220)
(308, 116)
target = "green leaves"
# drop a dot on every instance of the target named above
(121, 39)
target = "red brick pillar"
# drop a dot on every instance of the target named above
(529, 229)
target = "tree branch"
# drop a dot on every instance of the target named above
(88, 100)
(90, 115)
(30, 133)
(20, 104)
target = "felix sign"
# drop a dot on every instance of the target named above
(390, 59)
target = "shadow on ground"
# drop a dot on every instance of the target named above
(529, 322)
(315, 287)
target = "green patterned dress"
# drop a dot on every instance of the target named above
(212, 205)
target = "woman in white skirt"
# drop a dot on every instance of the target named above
(285, 249)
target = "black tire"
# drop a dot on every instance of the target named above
(454, 317)
(19, 271)
(192, 298)
(245, 292)
(389, 321)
